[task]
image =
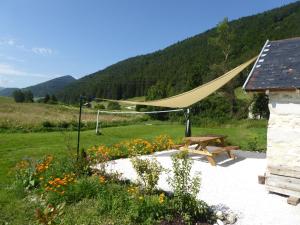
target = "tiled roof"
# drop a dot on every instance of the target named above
(277, 68)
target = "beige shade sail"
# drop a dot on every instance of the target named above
(195, 95)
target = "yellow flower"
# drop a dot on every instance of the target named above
(102, 179)
(141, 198)
(161, 198)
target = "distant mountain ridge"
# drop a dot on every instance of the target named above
(50, 87)
(188, 63)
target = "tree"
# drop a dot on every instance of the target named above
(28, 96)
(223, 41)
(113, 106)
(260, 107)
(47, 98)
(18, 96)
(53, 99)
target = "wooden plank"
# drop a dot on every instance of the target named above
(285, 185)
(293, 200)
(285, 171)
(283, 191)
(284, 179)
(211, 160)
(206, 153)
(224, 149)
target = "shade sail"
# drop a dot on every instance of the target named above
(195, 95)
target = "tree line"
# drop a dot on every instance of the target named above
(27, 96)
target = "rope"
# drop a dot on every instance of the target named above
(134, 112)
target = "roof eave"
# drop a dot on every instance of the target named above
(251, 72)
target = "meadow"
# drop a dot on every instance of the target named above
(17, 146)
(24, 135)
(29, 117)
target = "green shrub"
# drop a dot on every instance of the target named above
(185, 190)
(113, 106)
(99, 106)
(75, 192)
(148, 172)
(47, 124)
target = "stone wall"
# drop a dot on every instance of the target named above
(283, 138)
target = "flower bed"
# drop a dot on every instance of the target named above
(129, 148)
(67, 191)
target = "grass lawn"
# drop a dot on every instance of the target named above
(15, 146)
(33, 116)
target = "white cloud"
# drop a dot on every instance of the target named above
(3, 82)
(11, 58)
(42, 51)
(9, 70)
(7, 41)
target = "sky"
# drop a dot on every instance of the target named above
(44, 39)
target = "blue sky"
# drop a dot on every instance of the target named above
(41, 40)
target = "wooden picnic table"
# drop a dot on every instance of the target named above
(201, 146)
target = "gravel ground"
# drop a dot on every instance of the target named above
(233, 184)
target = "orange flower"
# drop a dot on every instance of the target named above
(101, 179)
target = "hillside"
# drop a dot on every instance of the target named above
(38, 116)
(188, 63)
(40, 90)
(51, 86)
(7, 91)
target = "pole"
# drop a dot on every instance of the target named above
(79, 125)
(97, 125)
(188, 130)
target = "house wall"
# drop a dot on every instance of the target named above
(283, 138)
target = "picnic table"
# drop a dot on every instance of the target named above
(201, 146)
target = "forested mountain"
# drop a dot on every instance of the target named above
(40, 90)
(51, 86)
(7, 91)
(188, 63)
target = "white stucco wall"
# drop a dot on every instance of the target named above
(283, 138)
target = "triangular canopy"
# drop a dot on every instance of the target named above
(195, 95)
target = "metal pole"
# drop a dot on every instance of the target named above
(188, 130)
(79, 125)
(97, 125)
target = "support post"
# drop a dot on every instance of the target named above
(79, 125)
(188, 130)
(98, 129)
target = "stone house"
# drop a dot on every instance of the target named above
(276, 72)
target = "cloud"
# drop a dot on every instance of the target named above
(42, 51)
(7, 41)
(11, 58)
(9, 70)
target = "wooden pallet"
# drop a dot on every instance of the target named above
(284, 180)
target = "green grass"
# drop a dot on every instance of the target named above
(15, 146)
(32, 116)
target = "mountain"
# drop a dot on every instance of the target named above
(40, 90)
(1, 88)
(7, 91)
(188, 63)
(51, 86)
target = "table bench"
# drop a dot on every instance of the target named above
(202, 143)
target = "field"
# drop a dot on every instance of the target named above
(15, 144)
(39, 116)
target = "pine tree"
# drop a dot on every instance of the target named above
(47, 98)
(18, 96)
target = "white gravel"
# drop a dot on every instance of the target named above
(233, 184)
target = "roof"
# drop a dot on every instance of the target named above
(277, 68)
